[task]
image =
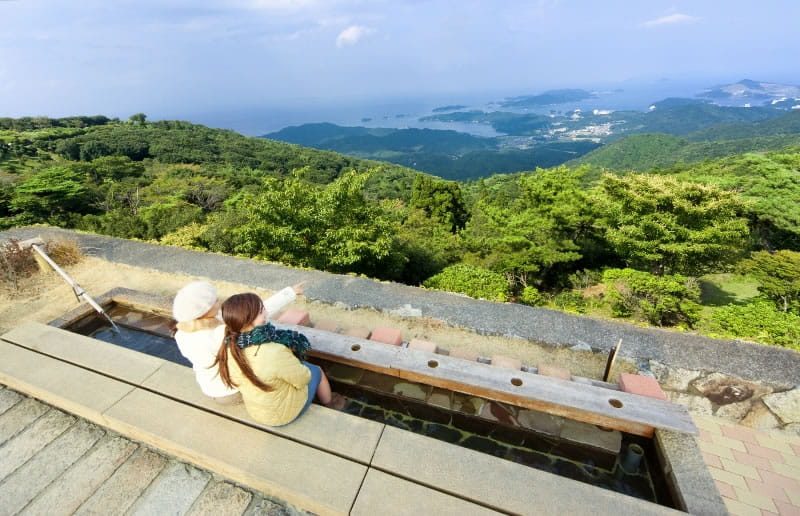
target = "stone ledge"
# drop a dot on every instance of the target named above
(448, 468)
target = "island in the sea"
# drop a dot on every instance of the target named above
(452, 107)
(548, 98)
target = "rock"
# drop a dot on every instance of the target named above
(723, 390)
(696, 404)
(792, 429)
(785, 405)
(581, 347)
(761, 418)
(406, 311)
(734, 411)
(673, 378)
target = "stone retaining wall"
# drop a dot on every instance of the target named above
(756, 404)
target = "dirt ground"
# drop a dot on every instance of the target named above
(46, 296)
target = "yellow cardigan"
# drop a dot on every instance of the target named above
(275, 365)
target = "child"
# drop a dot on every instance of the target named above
(257, 358)
(200, 331)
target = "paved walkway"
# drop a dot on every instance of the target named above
(54, 463)
(756, 473)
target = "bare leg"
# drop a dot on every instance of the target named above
(328, 398)
(324, 390)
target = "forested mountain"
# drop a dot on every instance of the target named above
(646, 151)
(613, 244)
(532, 140)
(447, 154)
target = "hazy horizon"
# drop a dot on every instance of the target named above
(179, 59)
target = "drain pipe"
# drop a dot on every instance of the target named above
(80, 294)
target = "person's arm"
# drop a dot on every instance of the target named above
(292, 371)
(274, 304)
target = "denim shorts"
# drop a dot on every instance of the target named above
(316, 377)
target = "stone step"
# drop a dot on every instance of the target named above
(34, 438)
(123, 488)
(26, 482)
(81, 480)
(173, 491)
(8, 398)
(221, 499)
(19, 416)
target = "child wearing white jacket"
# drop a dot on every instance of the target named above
(200, 331)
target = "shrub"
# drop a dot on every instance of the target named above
(585, 278)
(570, 301)
(532, 297)
(16, 263)
(186, 236)
(476, 282)
(759, 321)
(63, 252)
(661, 300)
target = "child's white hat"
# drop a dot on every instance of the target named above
(193, 301)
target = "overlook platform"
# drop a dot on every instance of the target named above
(742, 487)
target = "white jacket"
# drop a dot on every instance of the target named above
(200, 347)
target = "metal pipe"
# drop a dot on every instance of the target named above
(79, 292)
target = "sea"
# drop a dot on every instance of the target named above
(406, 112)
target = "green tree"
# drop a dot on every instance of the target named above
(779, 276)
(138, 118)
(771, 185)
(331, 228)
(52, 194)
(440, 199)
(530, 234)
(664, 225)
(426, 245)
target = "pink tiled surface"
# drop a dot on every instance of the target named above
(756, 472)
(641, 385)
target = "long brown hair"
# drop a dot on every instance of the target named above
(238, 312)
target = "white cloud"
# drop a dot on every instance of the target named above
(280, 5)
(670, 19)
(351, 35)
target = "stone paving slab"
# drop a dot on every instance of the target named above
(8, 399)
(107, 359)
(388, 495)
(512, 488)
(340, 433)
(123, 488)
(172, 492)
(73, 389)
(27, 481)
(221, 499)
(298, 474)
(19, 416)
(32, 439)
(756, 472)
(82, 479)
(337, 432)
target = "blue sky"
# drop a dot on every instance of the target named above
(120, 57)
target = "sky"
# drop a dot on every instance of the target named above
(119, 57)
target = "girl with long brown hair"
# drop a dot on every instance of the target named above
(257, 358)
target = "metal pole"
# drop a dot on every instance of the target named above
(81, 294)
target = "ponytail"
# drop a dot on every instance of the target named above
(238, 311)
